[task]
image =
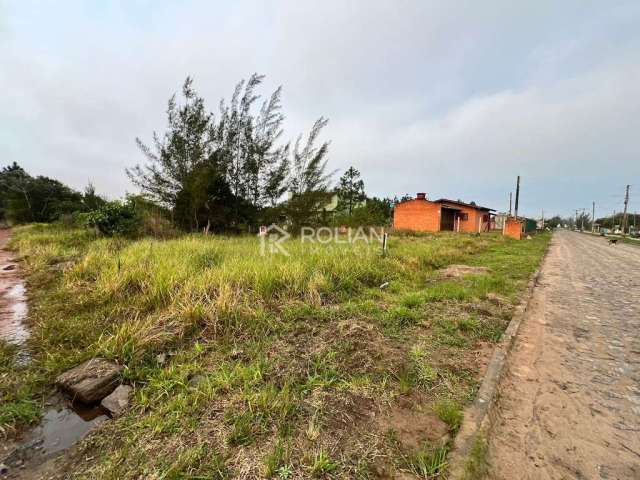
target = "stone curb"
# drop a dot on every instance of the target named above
(478, 417)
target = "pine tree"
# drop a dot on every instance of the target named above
(256, 167)
(228, 170)
(309, 182)
(350, 191)
(185, 146)
(309, 163)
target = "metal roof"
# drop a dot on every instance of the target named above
(457, 202)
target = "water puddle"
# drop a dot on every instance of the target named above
(13, 307)
(13, 301)
(14, 312)
(62, 426)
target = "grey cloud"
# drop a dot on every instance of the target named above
(421, 95)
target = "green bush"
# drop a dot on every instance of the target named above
(116, 218)
(449, 412)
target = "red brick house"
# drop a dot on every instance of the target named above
(422, 215)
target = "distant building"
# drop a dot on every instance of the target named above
(530, 225)
(330, 201)
(422, 215)
(498, 221)
(334, 199)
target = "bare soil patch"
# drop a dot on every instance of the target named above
(457, 271)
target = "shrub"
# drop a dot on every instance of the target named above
(157, 226)
(449, 412)
(322, 464)
(429, 462)
(116, 218)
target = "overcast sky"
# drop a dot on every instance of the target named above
(425, 96)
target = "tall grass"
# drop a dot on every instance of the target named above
(130, 298)
(266, 334)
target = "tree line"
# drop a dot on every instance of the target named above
(226, 172)
(25, 199)
(584, 220)
(231, 171)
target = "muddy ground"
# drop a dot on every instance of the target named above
(31, 454)
(569, 405)
(13, 306)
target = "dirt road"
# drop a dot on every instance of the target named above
(13, 305)
(569, 404)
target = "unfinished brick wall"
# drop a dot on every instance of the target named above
(417, 215)
(512, 228)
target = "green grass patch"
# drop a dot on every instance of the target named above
(450, 412)
(273, 363)
(429, 462)
(476, 465)
(19, 402)
(322, 464)
(277, 460)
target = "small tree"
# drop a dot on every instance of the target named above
(90, 199)
(350, 191)
(13, 179)
(116, 219)
(221, 170)
(584, 221)
(554, 221)
(256, 167)
(309, 182)
(376, 212)
(185, 146)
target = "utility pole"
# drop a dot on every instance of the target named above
(593, 217)
(517, 196)
(624, 215)
(575, 222)
(510, 194)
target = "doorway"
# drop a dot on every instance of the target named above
(448, 219)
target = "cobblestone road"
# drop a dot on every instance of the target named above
(569, 404)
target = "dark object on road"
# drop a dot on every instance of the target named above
(613, 241)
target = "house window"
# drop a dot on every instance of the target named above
(464, 217)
